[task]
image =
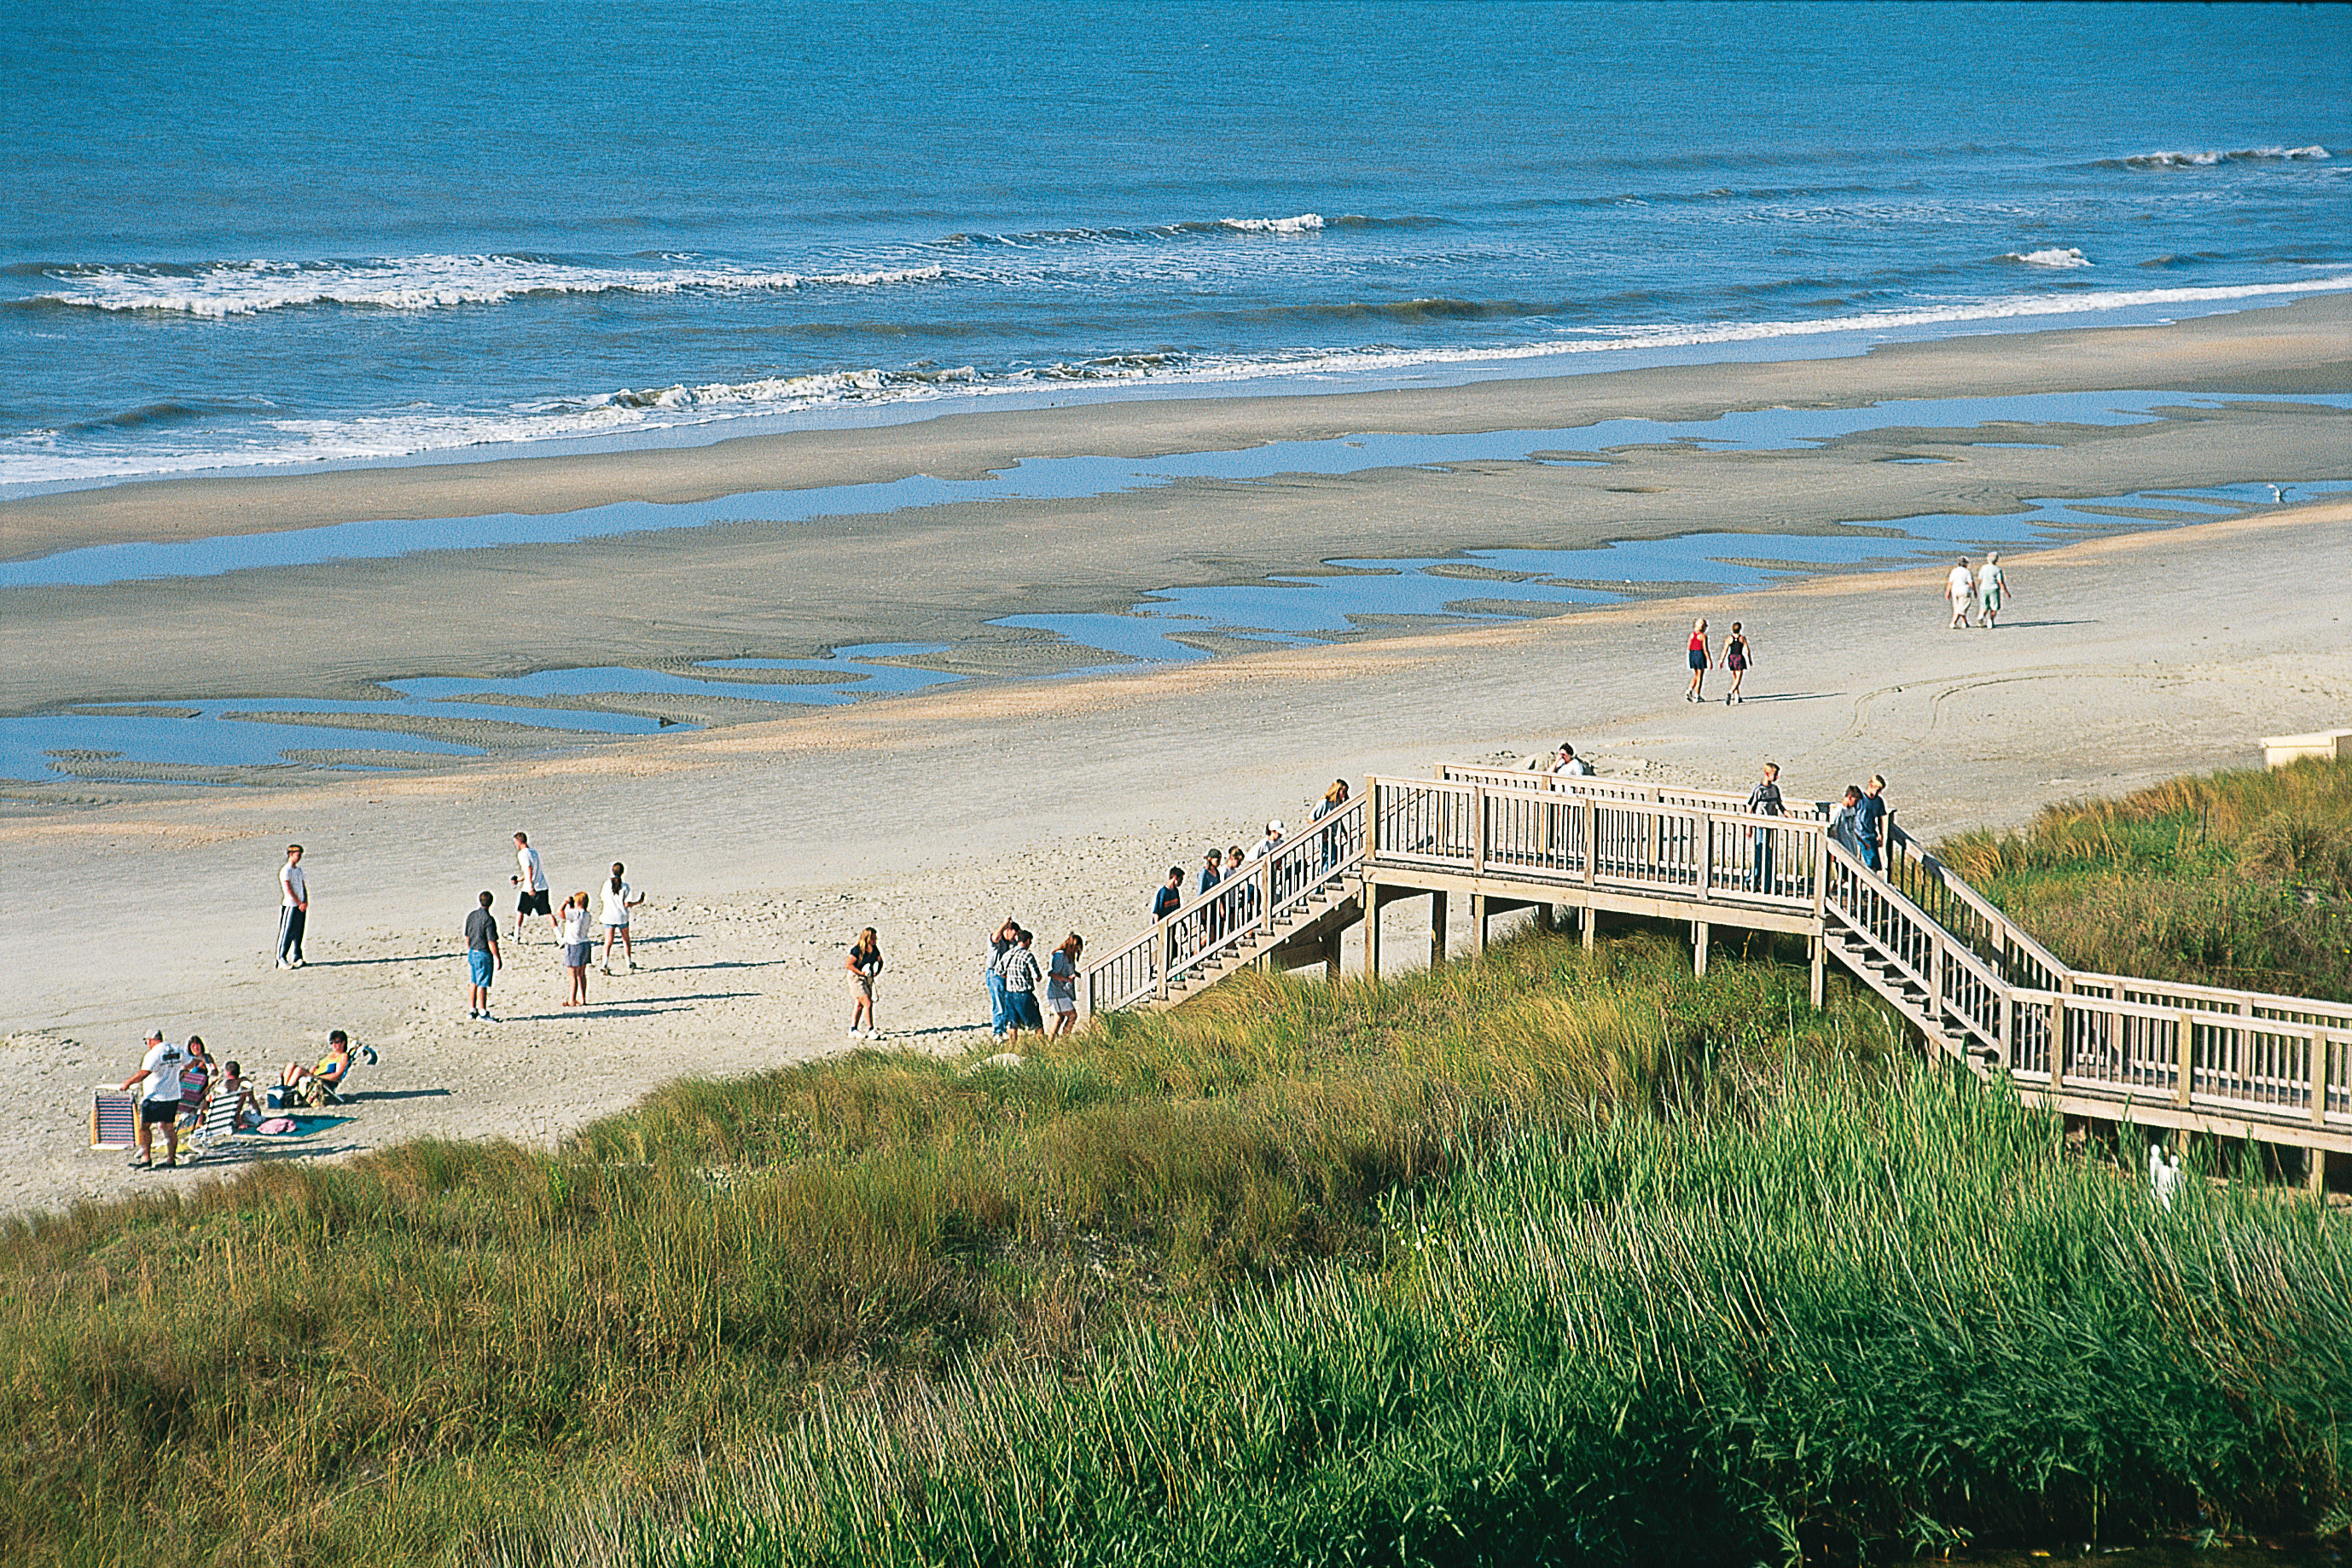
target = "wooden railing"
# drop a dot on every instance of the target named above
(1935, 947)
(2265, 1057)
(1572, 834)
(1249, 903)
(1618, 789)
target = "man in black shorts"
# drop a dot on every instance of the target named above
(530, 881)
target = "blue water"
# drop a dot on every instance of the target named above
(1283, 611)
(1060, 478)
(240, 234)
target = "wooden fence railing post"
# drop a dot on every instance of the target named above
(2185, 1053)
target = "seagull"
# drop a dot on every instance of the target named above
(2278, 495)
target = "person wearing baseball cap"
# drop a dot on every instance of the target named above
(159, 1070)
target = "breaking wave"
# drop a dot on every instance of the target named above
(220, 290)
(2213, 160)
(2061, 257)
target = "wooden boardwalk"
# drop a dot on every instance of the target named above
(2234, 1064)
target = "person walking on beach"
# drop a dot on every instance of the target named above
(864, 967)
(619, 900)
(1698, 656)
(293, 908)
(1062, 984)
(1735, 659)
(1870, 823)
(1764, 800)
(999, 944)
(530, 878)
(1961, 588)
(577, 946)
(159, 1101)
(1018, 967)
(481, 958)
(1992, 583)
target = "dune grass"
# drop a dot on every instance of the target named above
(1857, 1316)
(438, 1343)
(2238, 879)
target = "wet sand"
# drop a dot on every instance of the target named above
(763, 846)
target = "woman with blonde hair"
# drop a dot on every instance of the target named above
(1062, 984)
(1692, 693)
(573, 925)
(865, 964)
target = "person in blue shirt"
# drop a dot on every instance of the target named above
(1870, 823)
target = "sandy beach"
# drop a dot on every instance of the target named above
(763, 846)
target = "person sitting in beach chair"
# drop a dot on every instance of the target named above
(319, 1083)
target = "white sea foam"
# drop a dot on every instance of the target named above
(418, 283)
(2209, 159)
(2053, 257)
(32, 456)
(1304, 223)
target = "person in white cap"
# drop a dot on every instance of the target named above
(1991, 584)
(159, 1101)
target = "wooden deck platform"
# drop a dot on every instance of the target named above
(1978, 988)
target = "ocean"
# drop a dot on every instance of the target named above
(290, 233)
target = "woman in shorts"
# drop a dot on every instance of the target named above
(864, 967)
(1735, 659)
(1692, 693)
(619, 900)
(1062, 984)
(577, 946)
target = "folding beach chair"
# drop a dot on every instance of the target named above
(218, 1126)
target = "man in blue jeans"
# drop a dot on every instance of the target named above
(1870, 823)
(1765, 801)
(481, 959)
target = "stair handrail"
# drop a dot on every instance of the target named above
(1620, 790)
(1205, 925)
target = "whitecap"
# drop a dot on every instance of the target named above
(221, 290)
(1304, 223)
(2055, 255)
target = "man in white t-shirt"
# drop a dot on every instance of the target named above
(159, 1100)
(1961, 588)
(531, 882)
(293, 908)
(619, 900)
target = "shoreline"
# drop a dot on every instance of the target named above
(2128, 659)
(2254, 348)
(1010, 591)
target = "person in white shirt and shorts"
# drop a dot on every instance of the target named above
(619, 900)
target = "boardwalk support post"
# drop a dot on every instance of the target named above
(1818, 951)
(1477, 926)
(1699, 930)
(1436, 929)
(1372, 891)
